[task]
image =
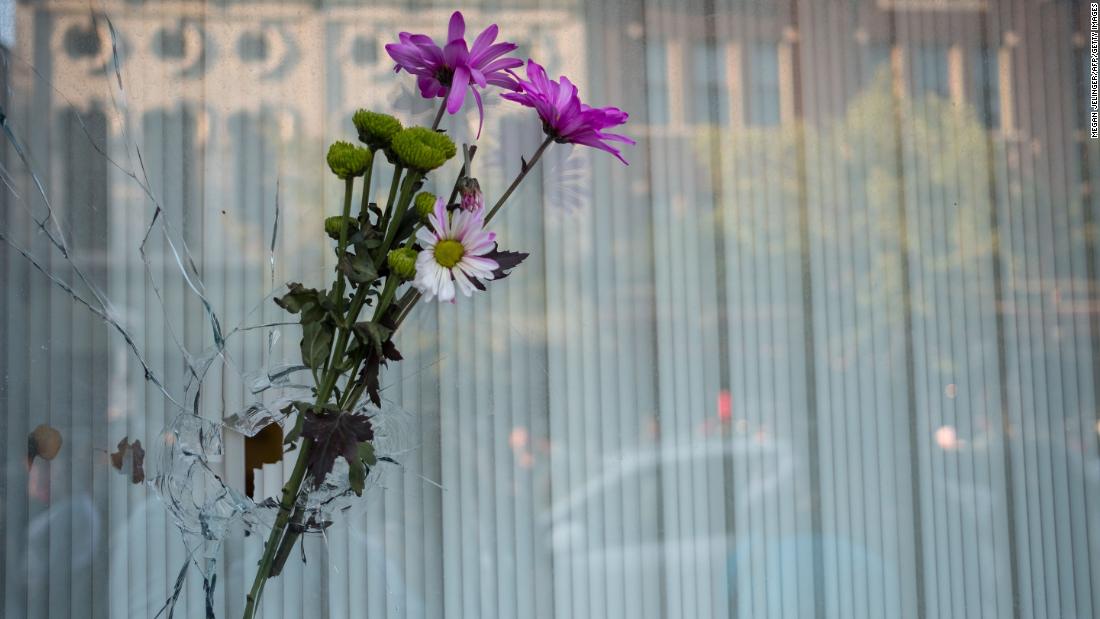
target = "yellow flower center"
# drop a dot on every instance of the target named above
(448, 252)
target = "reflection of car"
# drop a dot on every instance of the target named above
(678, 537)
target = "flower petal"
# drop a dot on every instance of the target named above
(459, 83)
(480, 113)
(479, 266)
(463, 282)
(446, 289)
(455, 54)
(438, 218)
(477, 245)
(456, 29)
(427, 238)
(485, 39)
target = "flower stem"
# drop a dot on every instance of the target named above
(519, 178)
(407, 302)
(395, 182)
(293, 532)
(398, 209)
(343, 245)
(364, 206)
(442, 108)
(386, 298)
(280, 540)
(290, 496)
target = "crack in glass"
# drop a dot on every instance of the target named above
(188, 452)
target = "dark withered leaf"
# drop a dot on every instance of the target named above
(334, 435)
(369, 376)
(295, 432)
(506, 261)
(130, 457)
(389, 351)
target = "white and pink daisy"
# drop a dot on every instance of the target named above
(454, 253)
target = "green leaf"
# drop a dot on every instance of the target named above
(358, 268)
(316, 343)
(301, 408)
(373, 334)
(298, 298)
(314, 312)
(295, 433)
(366, 454)
(357, 475)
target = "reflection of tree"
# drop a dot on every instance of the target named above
(857, 174)
(914, 200)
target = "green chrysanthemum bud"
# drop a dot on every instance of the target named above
(335, 224)
(402, 262)
(347, 160)
(425, 204)
(421, 149)
(376, 130)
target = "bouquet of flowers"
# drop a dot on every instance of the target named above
(407, 247)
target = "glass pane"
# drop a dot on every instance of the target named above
(827, 347)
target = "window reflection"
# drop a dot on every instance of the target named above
(827, 347)
(762, 103)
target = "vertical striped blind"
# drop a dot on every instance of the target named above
(827, 348)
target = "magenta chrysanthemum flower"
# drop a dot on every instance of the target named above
(564, 117)
(454, 252)
(450, 70)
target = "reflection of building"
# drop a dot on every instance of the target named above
(749, 64)
(803, 326)
(219, 107)
(759, 65)
(310, 66)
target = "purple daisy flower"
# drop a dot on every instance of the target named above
(564, 117)
(450, 70)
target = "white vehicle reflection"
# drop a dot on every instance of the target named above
(696, 504)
